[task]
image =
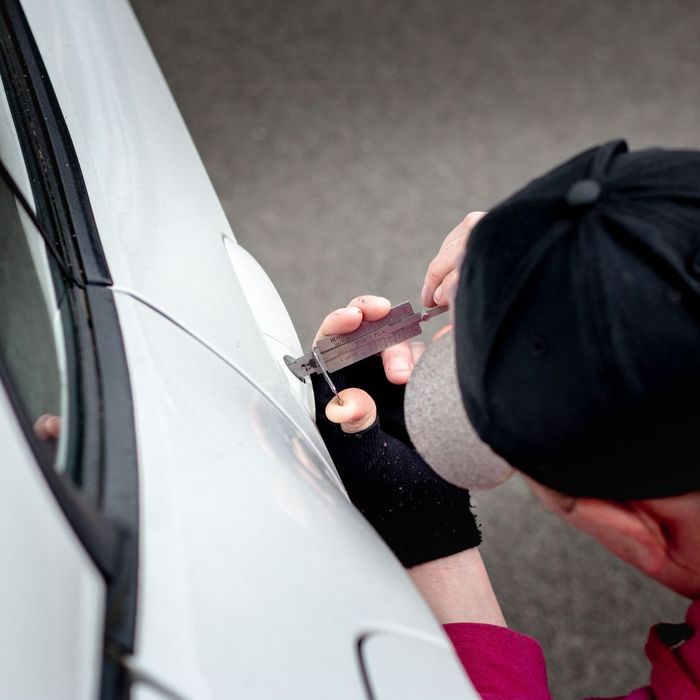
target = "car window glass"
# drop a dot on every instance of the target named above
(11, 152)
(31, 326)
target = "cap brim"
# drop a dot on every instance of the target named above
(439, 426)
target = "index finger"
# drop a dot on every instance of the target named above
(449, 255)
(367, 307)
(343, 320)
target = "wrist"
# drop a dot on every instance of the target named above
(458, 589)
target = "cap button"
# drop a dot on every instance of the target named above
(583, 193)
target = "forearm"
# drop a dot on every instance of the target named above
(458, 589)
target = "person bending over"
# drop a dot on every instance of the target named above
(575, 359)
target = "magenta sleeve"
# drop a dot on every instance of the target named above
(501, 664)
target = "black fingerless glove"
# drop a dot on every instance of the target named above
(418, 514)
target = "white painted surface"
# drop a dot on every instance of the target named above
(257, 576)
(403, 665)
(52, 601)
(271, 317)
(160, 222)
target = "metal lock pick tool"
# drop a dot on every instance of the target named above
(371, 337)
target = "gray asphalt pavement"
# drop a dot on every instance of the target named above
(346, 139)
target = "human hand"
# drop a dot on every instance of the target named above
(443, 272)
(358, 410)
(419, 515)
(47, 427)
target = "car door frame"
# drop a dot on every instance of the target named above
(104, 508)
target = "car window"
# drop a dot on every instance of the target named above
(32, 345)
(11, 152)
(31, 327)
(62, 356)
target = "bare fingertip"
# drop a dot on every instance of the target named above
(399, 378)
(372, 300)
(399, 365)
(442, 331)
(331, 409)
(346, 311)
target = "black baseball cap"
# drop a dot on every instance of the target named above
(577, 325)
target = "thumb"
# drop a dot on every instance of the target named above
(356, 413)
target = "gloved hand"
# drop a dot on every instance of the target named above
(418, 514)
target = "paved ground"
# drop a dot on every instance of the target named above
(346, 138)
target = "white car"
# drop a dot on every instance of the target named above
(183, 532)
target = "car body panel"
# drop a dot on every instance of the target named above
(395, 661)
(53, 597)
(161, 224)
(257, 575)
